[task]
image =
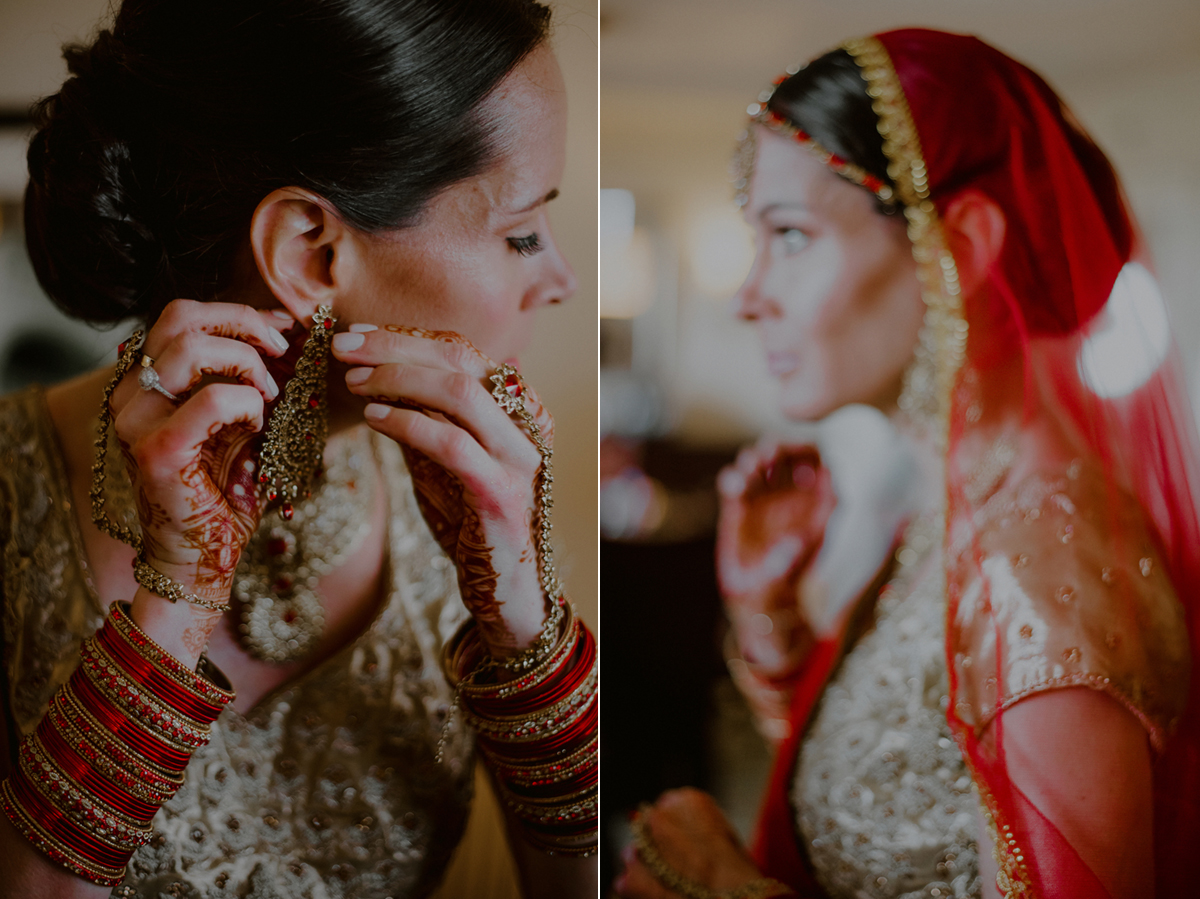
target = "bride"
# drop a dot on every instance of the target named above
(235, 658)
(1010, 708)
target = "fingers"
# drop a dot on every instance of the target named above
(193, 355)
(210, 339)
(368, 345)
(260, 329)
(161, 452)
(457, 395)
(442, 442)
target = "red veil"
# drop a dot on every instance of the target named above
(1069, 326)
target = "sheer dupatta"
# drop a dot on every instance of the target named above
(1065, 338)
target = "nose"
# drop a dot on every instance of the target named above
(557, 280)
(749, 302)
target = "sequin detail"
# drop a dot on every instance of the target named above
(885, 802)
(328, 788)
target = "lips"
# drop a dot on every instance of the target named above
(782, 364)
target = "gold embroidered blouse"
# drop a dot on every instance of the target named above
(329, 787)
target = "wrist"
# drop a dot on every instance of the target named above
(182, 629)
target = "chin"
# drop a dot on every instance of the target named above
(804, 407)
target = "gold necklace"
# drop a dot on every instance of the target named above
(282, 617)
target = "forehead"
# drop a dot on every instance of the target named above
(528, 114)
(786, 174)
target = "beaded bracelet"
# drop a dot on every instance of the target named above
(110, 750)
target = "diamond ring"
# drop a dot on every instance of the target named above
(148, 380)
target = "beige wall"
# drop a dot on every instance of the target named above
(563, 360)
(678, 74)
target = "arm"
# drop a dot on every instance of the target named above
(1084, 761)
(479, 472)
(184, 458)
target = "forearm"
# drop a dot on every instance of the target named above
(551, 876)
(30, 875)
(110, 750)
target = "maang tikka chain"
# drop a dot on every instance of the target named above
(294, 447)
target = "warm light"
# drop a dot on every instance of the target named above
(627, 276)
(721, 250)
(1129, 339)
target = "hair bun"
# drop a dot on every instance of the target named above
(85, 215)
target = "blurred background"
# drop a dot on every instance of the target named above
(37, 344)
(682, 381)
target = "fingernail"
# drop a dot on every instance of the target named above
(363, 327)
(272, 387)
(280, 341)
(376, 411)
(357, 375)
(282, 315)
(347, 341)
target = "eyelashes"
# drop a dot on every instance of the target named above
(527, 245)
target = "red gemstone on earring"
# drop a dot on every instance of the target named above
(276, 546)
(512, 385)
(287, 511)
(272, 495)
(262, 479)
(328, 324)
(121, 348)
(314, 401)
(317, 363)
(308, 435)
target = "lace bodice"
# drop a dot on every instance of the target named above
(329, 787)
(885, 802)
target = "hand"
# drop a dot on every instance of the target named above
(191, 461)
(474, 467)
(695, 840)
(775, 502)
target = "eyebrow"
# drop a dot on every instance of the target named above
(789, 206)
(536, 203)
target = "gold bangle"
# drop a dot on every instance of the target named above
(202, 682)
(543, 772)
(52, 847)
(141, 707)
(89, 812)
(73, 707)
(135, 782)
(544, 723)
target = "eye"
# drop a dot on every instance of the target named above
(794, 240)
(527, 245)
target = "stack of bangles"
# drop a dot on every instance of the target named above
(537, 732)
(111, 750)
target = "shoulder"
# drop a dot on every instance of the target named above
(46, 604)
(1058, 582)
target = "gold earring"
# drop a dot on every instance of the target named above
(295, 443)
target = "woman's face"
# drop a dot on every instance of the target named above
(833, 290)
(482, 259)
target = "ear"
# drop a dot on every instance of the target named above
(974, 226)
(299, 244)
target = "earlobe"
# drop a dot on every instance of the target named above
(296, 239)
(974, 225)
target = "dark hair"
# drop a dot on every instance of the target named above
(828, 99)
(150, 160)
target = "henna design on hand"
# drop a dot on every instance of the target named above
(477, 581)
(439, 497)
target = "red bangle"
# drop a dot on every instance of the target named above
(142, 741)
